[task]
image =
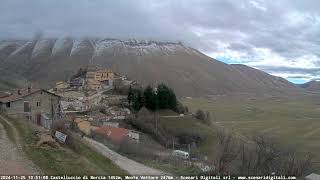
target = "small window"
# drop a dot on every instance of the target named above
(38, 104)
(26, 107)
(8, 104)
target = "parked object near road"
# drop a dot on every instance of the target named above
(180, 154)
(134, 135)
(60, 136)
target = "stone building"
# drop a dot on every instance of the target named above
(36, 105)
(94, 84)
(105, 76)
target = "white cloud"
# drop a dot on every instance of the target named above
(258, 4)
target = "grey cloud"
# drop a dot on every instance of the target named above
(299, 77)
(292, 70)
(242, 24)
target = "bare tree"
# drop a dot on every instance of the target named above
(266, 156)
(228, 151)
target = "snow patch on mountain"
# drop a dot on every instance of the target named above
(61, 46)
(22, 48)
(144, 47)
(137, 47)
(76, 47)
(42, 47)
(82, 47)
(4, 44)
(105, 45)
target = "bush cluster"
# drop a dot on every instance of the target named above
(153, 99)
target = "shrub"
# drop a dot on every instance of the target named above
(180, 109)
(203, 117)
(200, 115)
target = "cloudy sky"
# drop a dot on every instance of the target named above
(281, 37)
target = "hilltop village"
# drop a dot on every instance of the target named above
(81, 100)
(108, 108)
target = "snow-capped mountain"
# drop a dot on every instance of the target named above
(187, 70)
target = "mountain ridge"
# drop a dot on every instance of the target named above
(188, 71)
(311, 86)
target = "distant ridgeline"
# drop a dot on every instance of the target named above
(184, 69)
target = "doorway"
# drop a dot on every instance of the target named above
(38, 119)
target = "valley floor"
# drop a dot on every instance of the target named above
(293, 123)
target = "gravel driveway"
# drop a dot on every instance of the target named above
(12, 158)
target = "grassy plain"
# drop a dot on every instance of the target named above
(293, 121)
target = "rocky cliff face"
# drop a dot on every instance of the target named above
(187, 70)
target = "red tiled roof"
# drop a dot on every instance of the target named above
(116, 135)
(2, 95)
(23, 93)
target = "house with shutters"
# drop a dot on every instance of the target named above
(36, 105)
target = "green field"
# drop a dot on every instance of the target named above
(294, 122)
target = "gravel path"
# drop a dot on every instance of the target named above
(12, 158)
(132, 167)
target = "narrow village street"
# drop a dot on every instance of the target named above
(12, 159)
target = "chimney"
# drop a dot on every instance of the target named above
(29, 89)
(19, 92)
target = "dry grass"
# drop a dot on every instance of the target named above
(63, 160)
(294, 122)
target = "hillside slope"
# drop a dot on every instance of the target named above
(311, 86)
(188, 71)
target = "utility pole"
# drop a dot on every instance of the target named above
(173, 144)
(189, 153)
(156, 123)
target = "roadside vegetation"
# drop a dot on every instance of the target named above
(62, 160)
(257, 156)
(168, 128)
(160, 114)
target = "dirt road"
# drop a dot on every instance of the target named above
(132, 167)
(12, 159)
